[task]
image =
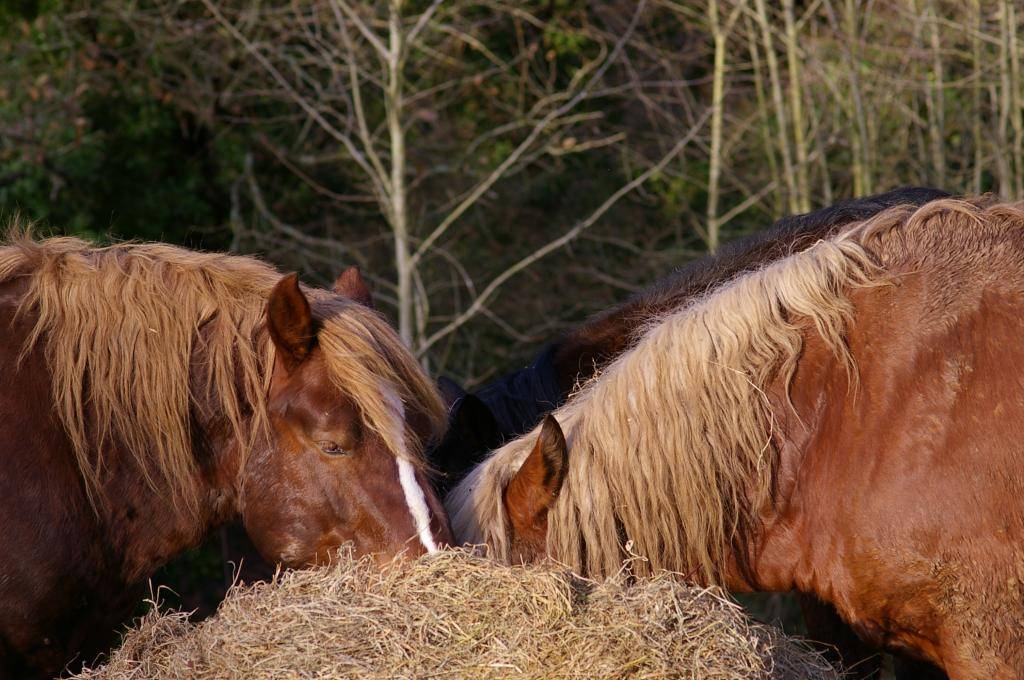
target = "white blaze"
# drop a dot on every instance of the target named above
(414, 497)
(417, 503)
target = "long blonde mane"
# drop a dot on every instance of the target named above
(137, 336)
(671, 447)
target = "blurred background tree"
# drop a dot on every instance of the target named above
(499, 170)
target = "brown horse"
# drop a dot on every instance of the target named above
(843, 422)
(509, 407)
(150, 393)
(514, 404)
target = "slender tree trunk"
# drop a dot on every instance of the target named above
(979, 141)
(1003, 163)
(1002, 169)
(717, 89)
(796, 106)
(765, 117)
(826, 175)
(1015, 103)
(398, 209)
(780, 109)
(862, 144)
(935, 101)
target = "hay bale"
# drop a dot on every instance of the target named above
(456, 615)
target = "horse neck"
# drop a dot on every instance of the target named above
(147, 528)
(586, 350)
(782, 552)
(144, 529)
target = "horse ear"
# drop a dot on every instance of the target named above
(350, 284)
(474, 421)
(450, 391)
(473, 432)
(534, 488)
(290, 322)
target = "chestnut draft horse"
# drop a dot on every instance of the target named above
(480, 422)
(150, 393)
(844, 422)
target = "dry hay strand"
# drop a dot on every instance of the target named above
(456, 615)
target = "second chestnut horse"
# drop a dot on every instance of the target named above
(843, 422)
(506, 408)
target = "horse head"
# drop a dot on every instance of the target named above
(473, 432)
(336, 467)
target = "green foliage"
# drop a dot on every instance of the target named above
(137, 172)
(95, 153)
(566, 42)
(20, 10)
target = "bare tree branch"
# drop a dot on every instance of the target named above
(564, 239)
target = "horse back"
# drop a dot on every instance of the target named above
(608, 334)
(53, 566)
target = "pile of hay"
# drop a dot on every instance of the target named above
(460, 616)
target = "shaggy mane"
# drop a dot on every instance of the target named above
(140, 337)
(671, 447)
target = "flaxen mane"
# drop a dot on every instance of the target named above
(136, 336)
(671, 446)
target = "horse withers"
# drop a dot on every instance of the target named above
(843, 422)
(150, 393)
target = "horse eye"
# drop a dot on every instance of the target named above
(331, 448)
